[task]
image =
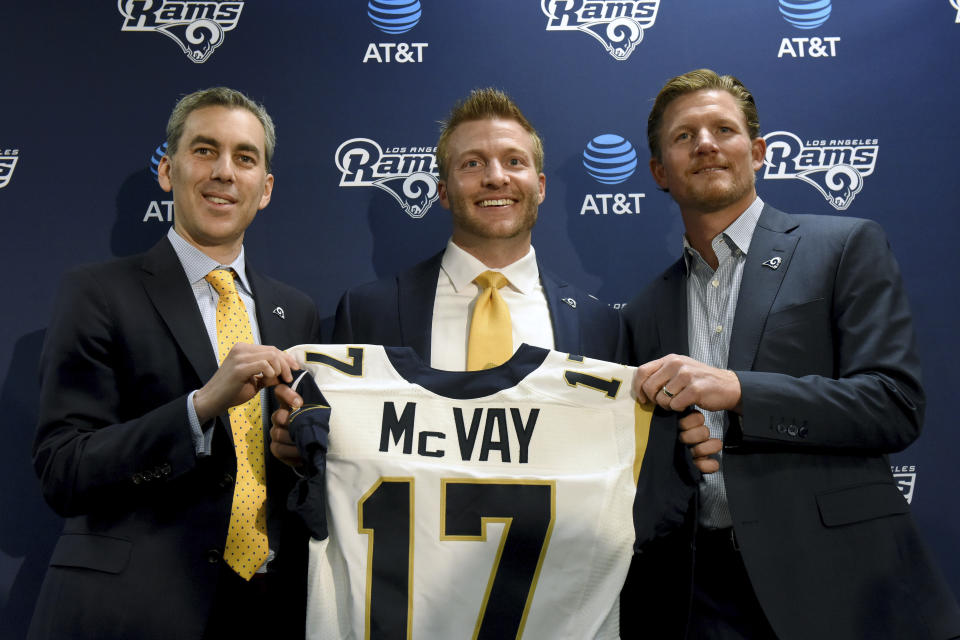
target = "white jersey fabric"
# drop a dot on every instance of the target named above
(487, 504)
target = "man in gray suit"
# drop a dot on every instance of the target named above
(798, 346)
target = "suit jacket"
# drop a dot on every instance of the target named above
(146, 519)
(823, 345)
(398, 312)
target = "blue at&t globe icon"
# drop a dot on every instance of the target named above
(394, 16)
(610, 159)
(805, 14)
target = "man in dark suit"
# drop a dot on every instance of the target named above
(491, 179)
(799, 348)
(135, 447)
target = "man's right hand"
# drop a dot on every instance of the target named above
(696, 435)
(246, 369)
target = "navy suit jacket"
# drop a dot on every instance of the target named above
(146, 519)
(823, 345)
(398, 312)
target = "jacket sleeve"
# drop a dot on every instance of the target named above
(858, 386)
(94, 448)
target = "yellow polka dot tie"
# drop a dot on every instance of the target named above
(491, 335)
(246, 548)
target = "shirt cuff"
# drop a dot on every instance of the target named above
(202, 437)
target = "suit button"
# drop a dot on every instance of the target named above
(213, 556)
(137, 478)
(781, 428)
(792, 430)
(802, 432)
(226, 481)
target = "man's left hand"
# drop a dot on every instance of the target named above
(676, 382)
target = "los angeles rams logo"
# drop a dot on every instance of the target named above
(906, 477)
(198, 27)
(617, 25)
(835, 168)
(408, 175)
(8, 162)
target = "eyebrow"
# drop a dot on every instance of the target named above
(243, 146)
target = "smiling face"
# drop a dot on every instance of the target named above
(492, 187)
(218, 178)
(707, 159)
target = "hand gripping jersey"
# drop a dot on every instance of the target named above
(489, 504)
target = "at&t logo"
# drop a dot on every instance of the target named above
(198, 27)
(617, 25)
(8, 162)
(807, 14)
(407, 174)
(836, 168)
(394, 17)
(906, 477)
(158, 210)
(610, 159)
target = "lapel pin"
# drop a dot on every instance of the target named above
(280, 314)
(773, 263)
(571, 302)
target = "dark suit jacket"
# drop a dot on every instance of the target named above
(823, 346)
(146, 520)
(398, 312)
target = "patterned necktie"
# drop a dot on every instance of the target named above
(491, 335)
(246, 548)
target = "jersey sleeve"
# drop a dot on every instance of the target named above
(310, 430)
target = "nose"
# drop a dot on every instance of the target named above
(223, 168)
(706, 142)
(494, 175)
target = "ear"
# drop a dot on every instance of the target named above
(759, 152)
(163, 174)
(267, 191)
(442, 193)
(659, 173)
(542, 189)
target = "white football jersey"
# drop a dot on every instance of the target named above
(486, 504)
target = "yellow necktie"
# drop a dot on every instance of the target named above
(491, 336)
(246, 548)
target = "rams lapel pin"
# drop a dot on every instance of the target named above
(279, 313)
(773, 263)
(571, 302)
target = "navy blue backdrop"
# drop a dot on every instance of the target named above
(857, 101)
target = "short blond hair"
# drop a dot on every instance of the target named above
(485, 104)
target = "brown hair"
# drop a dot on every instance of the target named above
(698, 80)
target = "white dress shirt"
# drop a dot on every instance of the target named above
(457, 294)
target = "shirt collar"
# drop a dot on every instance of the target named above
(197, 264)
(738, 234)
(462, 268)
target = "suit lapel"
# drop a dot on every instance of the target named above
(417, 292)
(762, 276)
(271, 315)
(166, 284)
(563, 313)
(671, 311)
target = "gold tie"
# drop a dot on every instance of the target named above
(491, 336)
(246, 548)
